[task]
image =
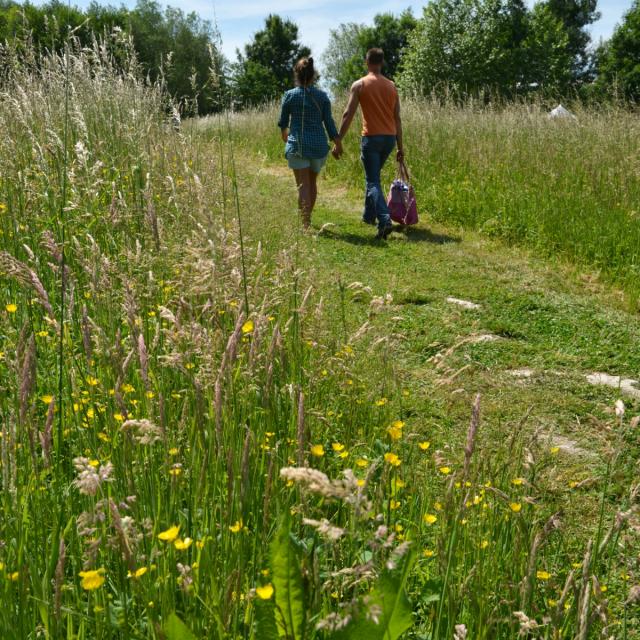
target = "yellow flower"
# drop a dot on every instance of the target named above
(603, 588)
(14, 576)
(42, 334)
(428, 553)
(173, 451)
(394, 504)
(170, 534)
(47, 399)
(424, 445)
(118, 417)
(362, 463)
(181, 545)
(127, 388)
(576, 565)
(337, 447)
(237, 527)
(11, 307)
(138, 573)
(554, 451)
(91, 381)
(517, 481)
(429, 518)
(94, 463)
(437, 506)
(445, 470)
(175, 471)
(516, 507)
(247, 327)
(317, 450)
(395, 433)
(381, 402)
(265, 592)
(392, 459)
(484, 544)
(543, 575)
(150, 395)
(92, 580)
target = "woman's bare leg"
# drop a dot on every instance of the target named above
(313, 189)
(303, 182)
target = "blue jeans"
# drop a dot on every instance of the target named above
(374, 151)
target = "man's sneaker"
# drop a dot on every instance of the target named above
(383, 234)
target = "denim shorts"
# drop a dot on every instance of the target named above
(315, 164)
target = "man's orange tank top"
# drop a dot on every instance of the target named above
(378, 97)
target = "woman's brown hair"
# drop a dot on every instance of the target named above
(304, 72)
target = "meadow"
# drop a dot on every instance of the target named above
(216, 426)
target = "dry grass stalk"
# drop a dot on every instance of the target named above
(300, 435)
(585, 596)
(551, 525)
(59, 580)
(471, 436)
(12, 267)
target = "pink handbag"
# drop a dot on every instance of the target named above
(402, 199)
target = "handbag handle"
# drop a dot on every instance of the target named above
(403, 172)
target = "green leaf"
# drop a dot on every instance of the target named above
(175, 629)
(394, 609)
(287, 581)
(265, 627)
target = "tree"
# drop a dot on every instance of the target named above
(179, 47)
(576, 16)
(349, 43)
(469, 47)
(618, 61)
(266, 68)
(549, 59)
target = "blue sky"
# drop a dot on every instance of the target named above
(238, 20)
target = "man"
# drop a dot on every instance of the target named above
(381, 131)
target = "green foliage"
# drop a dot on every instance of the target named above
(287, 580)
(576, 16)
(499, 47)
(180, 48)
(468, 46)
(389, 602)
(175, 629)
(349, 43)
(619, 59)
(266, 69)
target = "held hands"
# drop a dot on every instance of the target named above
(400, 155)
(337, 150)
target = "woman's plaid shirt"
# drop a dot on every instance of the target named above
(307, 114)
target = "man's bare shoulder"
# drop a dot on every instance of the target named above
(356, 87)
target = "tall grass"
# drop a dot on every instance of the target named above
(567, 188)
(206, 394)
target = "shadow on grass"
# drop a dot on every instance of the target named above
(412, 235)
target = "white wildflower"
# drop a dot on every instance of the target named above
(325, 528)
(91, 477)
(619, 408)
(460, 632)
(145, 431)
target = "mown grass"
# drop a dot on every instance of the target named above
(206, 374)
(570, 189)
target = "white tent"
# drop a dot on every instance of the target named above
(561, 112)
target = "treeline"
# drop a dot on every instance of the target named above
(173, 47)
(461, 48)
(470, 48)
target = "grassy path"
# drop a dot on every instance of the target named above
(538, 330)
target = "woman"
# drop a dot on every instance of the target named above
(304, 116)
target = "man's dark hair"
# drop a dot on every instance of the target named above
(375, 56)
